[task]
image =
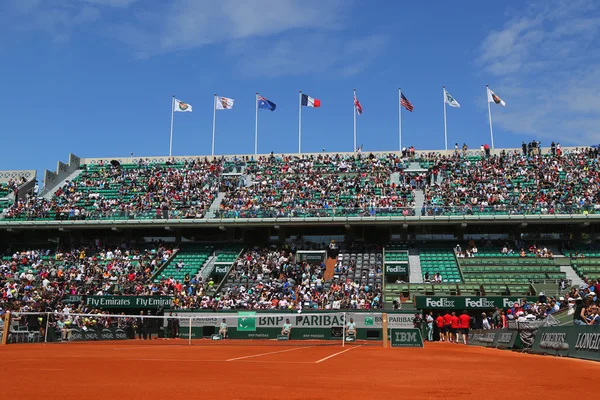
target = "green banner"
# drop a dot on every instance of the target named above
(406, 338)
(396, 269)
(481, 337)
(246, 321)
(506, 339)
(467, 302)
(107, 302)
(571, 341)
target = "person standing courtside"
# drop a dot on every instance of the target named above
(141, 327)
(464, 322)
(176, 326)
(430, 327)
(447, 327)
(454, 328)
(439, 324)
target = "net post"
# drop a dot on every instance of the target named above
(46, 331)
(6, 327)
(189, 331)
(344, 331)
(384, 328)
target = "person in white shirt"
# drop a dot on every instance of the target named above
(351, 328)
(485, 321)
(223, 329)
(287, 328)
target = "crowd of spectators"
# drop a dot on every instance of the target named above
(156, 190)
(41, 280)
(321, 185)
(514, 183)
(272, 278)
(358, 184)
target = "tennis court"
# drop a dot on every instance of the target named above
(238, 369)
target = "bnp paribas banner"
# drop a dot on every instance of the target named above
(250, 320)
(468, 302)
(107, 302)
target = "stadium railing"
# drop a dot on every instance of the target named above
(301, 213)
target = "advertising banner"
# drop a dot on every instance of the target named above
(396, 269)
(406, 338)
(467, 302)
(572, 341)
(108, 302)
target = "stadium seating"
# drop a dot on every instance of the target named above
(191, 258)
(587, 268)
(506, 275)
(128, 191)
(5, 190)
(514, 184)
(442, 261)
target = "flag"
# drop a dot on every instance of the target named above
(493, 98)
(405, 103)
(264, 103)
(181, 106)
(223, 103)
(450, 100)
(359, 110)
(310, 102)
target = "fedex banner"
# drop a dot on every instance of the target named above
(468, 302)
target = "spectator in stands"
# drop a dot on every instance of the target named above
(579, 317)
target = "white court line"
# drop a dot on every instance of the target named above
(266, 354)
(337, 354)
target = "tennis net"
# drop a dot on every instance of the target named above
(241, 327)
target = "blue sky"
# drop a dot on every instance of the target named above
(95, 77)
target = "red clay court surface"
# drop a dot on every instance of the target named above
(234, 370)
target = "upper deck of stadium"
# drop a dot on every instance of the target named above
(423, 186)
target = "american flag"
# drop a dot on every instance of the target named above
(358, 106)
(405, 103)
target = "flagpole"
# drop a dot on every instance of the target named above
(256, 126)
(445, 128)
(300, 123)
(400, 119)
(489, 114)
(171, 136)
(214, 124)
(354, 102)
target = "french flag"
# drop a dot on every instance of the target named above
(358, 106)
(310, 102)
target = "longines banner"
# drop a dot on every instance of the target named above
(467, 302)
(571, 341)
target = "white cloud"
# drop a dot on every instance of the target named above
(303, 54)
(281, 33)
(546, 66)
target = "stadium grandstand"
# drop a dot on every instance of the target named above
(228, 232)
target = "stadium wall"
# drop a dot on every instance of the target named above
(419, 153)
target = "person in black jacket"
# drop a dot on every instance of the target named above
(142, 329)
(175, 327)
(170, 330)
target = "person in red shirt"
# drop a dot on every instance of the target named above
(439, 322)
(447, 326)
(464, 321)
(454, 327)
